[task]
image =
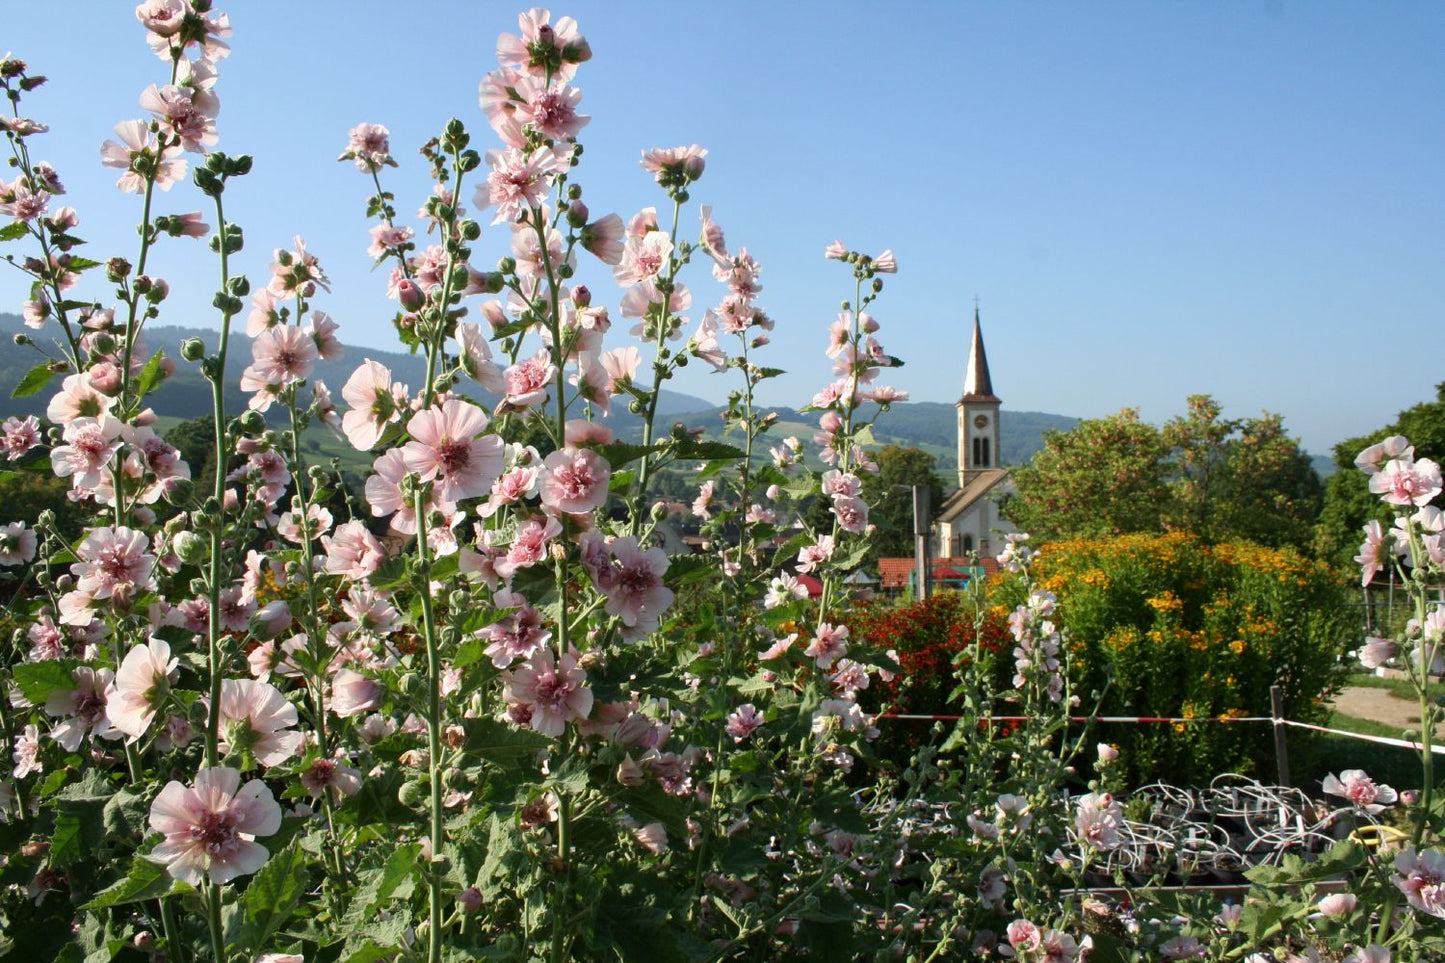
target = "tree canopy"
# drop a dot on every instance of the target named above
(1215, 477)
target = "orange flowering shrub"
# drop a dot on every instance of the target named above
(1167, 626)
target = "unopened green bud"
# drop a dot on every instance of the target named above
(252, 423)
(117, 269)
(193, 349)
(190, 547)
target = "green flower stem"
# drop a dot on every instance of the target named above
(214, 653)
(213, 919)
(174, 947)
(644, 470)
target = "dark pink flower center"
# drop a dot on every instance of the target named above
(216, 832)
(453, 456)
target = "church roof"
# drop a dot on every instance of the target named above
(977, 385)
(980, 483)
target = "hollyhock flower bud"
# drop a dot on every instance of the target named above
(105, 378)
(1107, 754)
(470, 899)
(577, 213)
(353, 693)
(411, 297)
(1338, 905)
(194, 349)
(189, 546)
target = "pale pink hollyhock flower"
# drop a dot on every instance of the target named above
(1098, 821)
(702, 504)
(352, 551)
(674, 166)
(162, 17)
(527, 381)
(1107, 753)
(353, 693)
(373, 398)
(476, 358)
(643, 257)
(141, 685)
(784, 588)
(26, 753)
(83, 708)
(211, 829)
(579, 433)
(90, 444)
(779, 647)
(544, 49)
(836, 251)
(282, 355)
(113, 561)
(189, 113)
(329, 775)
(1373, 551)
(17, 544)
(445, 447)
(383, 492)
(1372, 458)
(549, 693)
(1023, 935)
(518, 181)
(883, 394)
(885, 263)
(621, 363)
(21, 435)
(511, 487)
(1422, 879)
(852, 513)
(271, 619)
(370, 146)
(1359, 789)
(386, 237)
(517, 636)
(828, 644)
(77, 398)
(281, 957)
(653, 838)
(1376, 652)
(1404, 481)
(257, 718)
(605, 238)
(837, 483)
(529, 545)
(743, 721)
(850, 678)
(574, 480)
(550, 109)
(1337, 905)
(296, 273)
(1182, 948)
(20, 201)
(811, 556)
(636, 593)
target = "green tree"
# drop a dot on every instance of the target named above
(1240, 478)
(889, 493)
(1105, 476)
(1348, 504)
(1218, 478)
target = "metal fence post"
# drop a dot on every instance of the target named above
(1281, 751)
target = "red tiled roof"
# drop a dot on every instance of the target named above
(895, 573)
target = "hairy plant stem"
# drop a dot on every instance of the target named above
(174, 947)
(218, 522)
(213, 920)
(421, 502)
(644, 469)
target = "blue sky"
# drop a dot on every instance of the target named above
(1150, 199)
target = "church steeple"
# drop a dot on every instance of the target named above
(978, 441)
(977, 384)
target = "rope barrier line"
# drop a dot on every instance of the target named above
(1382, 740)
(909, 716)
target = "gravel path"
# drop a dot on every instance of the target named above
(1380, 706)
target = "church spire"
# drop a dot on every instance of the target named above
(977, 385)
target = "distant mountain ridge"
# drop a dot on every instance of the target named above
(929, 425)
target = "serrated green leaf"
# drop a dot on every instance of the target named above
(707, 451)
(619, 453)
(270, 899)
(13, 232)
(863, 437)
(34, 381)
(38, 681)
(78, 264)
(145, 880)
(150, 375)
(500, 743)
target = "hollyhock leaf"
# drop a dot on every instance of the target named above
(150, 375)
(707, 451)
(383, 883)
(79, 828)
(621, 481)
(863, 437)
(126, 813)
(145, 880)
(689, 568)
(648, 803)
(270, 899)
(12, 232)
(38, 681)
(500, 743)
(34, 381)
(619, 453)
(78, 264)
(570, 777)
